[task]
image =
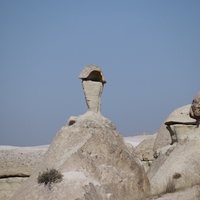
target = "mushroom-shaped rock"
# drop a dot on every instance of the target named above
(93, 81)
(93, 73)
(195, 108)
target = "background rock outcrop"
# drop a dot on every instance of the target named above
(178, 115)
(178, 166)
(17, 164)
(20, 161)
(145, 152)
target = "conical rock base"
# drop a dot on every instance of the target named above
(95, 162)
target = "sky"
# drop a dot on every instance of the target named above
(149, 52)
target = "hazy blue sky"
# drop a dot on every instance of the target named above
(149, 52)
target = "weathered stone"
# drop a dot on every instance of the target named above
(8, 186)
(93, 73)
(96, 164)
(20, 161)
(191, 193)
(145, 151)
(182, 158)
(178, 115)
(93, 83)
(195, 108)
(93, 91)
(95, 161)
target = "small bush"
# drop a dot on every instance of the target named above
(49, 176)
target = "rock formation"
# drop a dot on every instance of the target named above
(178, 115)
(96, 163)
(145, 152)
(177, 163)
(195, 109)
(17, 164)
(191, 193)
(20, 161)
(93, 81)
(9, 185)
(91, 155)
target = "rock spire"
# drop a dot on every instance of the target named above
(93, 82)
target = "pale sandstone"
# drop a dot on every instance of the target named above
(92, 72)
(145, 149)
(183, 157)
(178, 115)
(93, 82)
(92, 156)
(103, 166)
(20, 161)
(145, 152)
(192, 193)
(8, 186)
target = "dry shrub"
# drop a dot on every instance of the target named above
(49, 176)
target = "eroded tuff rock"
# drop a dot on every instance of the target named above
(8, 186)
(178, 163)
(93, 82)
(145, 152)
(177, 160)
(20, 161)
(17, 164)
(93, 73)
(195, 109)
(95, 161)
(178, 115)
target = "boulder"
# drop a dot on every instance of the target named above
(95, 162)
(178, 115)
(178, 166)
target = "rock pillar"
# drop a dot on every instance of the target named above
(93, 82)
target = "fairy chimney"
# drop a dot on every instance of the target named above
(93, 82)
(195, 108)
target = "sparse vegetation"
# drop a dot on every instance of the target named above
(49, 176)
